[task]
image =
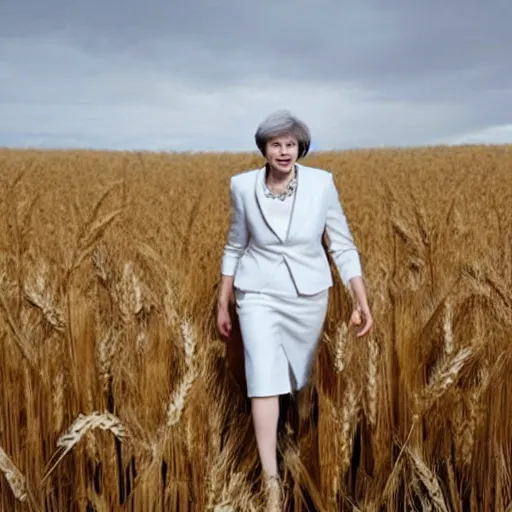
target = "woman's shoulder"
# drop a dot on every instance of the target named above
(244, 177)
(316, 173)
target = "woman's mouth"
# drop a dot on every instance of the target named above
(284, 161)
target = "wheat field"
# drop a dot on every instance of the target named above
(118, 395)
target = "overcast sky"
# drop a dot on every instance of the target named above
(200, 74)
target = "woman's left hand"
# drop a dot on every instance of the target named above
(359, 314)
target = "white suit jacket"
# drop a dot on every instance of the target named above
(254, 250)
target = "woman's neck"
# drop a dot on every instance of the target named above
(279, 178)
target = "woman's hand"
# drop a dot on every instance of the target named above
(224, 324)
(226, 297)
(359, 314)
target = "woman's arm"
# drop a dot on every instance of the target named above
(235, 246)
(346, 257)
(340, 243)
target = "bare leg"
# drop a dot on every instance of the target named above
(265, 415)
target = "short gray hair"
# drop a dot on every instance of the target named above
(280, 123)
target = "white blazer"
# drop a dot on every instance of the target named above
(254, 250)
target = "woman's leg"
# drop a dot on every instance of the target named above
(265, 415)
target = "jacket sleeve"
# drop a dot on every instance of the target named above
(238, 235)
(340, 241)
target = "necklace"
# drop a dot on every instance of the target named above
(287, 192)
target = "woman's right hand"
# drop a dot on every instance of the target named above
(224, 324)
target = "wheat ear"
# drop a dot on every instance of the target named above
(429, 480)
(179, 397)
(340, 346)
(80, 427)
(447, 329)
(371, 387)
(444, 375)
(348, 418)
(13, 475)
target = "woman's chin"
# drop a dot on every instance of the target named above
(283, 168)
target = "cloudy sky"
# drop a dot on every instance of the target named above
(201, 74)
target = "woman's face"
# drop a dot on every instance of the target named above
(282, 153)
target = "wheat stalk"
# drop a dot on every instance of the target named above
(466, 428)
(235, 495)
(23, 345)
(90, 233)
(170, 306)
(58, 400)
(215, 457)
(14, 477)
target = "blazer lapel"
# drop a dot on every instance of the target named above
(263, 201)
(300, 201)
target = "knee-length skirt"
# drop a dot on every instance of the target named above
(280, 335)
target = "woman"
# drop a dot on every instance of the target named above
(276, 267)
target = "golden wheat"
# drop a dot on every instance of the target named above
(109, 266)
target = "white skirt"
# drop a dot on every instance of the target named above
(280, 334)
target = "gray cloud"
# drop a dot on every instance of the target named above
(201, 75)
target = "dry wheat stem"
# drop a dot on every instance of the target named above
(233, 495)
(217, 458)
(170, 306)
(21, 342)
(58, 400)
(476, 413)
(86, 240)
(399, 462)
(218, 472)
